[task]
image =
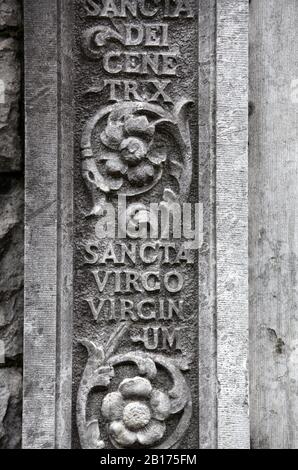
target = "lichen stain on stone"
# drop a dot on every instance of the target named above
(279, 343)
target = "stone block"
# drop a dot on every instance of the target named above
(11, 266)
(10, 408)
(10, 86)
(10, 14)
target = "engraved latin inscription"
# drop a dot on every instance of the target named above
(135, 314)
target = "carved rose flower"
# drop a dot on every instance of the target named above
(131, 137)
(136, 413)
(133, 151)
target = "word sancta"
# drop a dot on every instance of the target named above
(125, 309)
(119, 253)
(141, 63)
(145, 8)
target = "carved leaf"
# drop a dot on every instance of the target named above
(181, 112)
(175, 169)
(93, 436)
(95, 353)
(95, 38)
(145, 364)
(169, 195)
(114, 340)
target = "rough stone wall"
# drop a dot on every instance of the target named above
(11, 224)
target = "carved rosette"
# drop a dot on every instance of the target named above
(136, 413)
(131, 155)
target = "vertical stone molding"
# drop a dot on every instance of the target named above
(48, 224)
(232, 222)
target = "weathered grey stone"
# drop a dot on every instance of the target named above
(49, 157)
(10, 408)
(10, 14)
(11, 265)
(10, 76)
(11, 228)
(273, 221)
(151, 138)
(207, 189)
(232, 223)
(134, 364)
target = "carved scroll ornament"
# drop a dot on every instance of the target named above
(136, 413)
(132, 157)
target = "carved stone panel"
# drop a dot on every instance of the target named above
(136, 204)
